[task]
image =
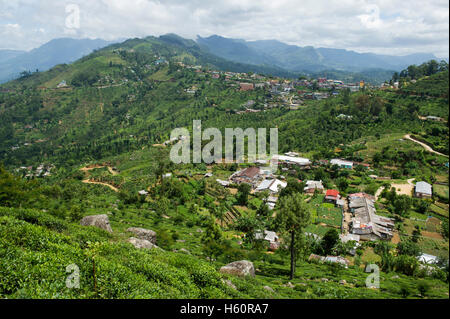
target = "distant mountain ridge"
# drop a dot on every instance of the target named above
(305, 59)
(57, 51)
(265, 57)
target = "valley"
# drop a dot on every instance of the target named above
(86, 179)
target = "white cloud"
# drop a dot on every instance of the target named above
(382, 26)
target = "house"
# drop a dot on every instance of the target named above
(349, 237)
(311, 187)
(292, 160)
(428, 259)
(364, 195)
(272, 185)
(268, 235)
(366, 223)
(223, 183)
(271, 237)
(332, 196)
(423, 189)
(62, 84)
(246, 86)
(271, 202)
(249, 175)
(342, 163)
(272, 199)
(293, 154)
(340, 203)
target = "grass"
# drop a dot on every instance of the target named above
(439, 210)
(375, 145)
(326, 213)
(441, 191)
(369, 256)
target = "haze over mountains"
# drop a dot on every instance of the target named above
(271, 56)
(305, 59)
(57, 51)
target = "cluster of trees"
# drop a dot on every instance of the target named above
(414, 72)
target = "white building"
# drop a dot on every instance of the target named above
(341, 163)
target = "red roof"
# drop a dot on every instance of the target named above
(332, 192)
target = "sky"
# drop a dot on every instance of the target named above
(394, 27)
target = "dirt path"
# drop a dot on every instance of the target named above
(428, 148)
(86, 169)
(88, 181)
(347, 218)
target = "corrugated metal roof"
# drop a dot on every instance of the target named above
(423, 187)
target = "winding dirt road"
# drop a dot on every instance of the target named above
(90, 181)
(428, 148)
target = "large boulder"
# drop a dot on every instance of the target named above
(239, 268)
(143, 233)
(100, 221)
(141, 243)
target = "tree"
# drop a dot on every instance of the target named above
(293, 186)
(243, 192)
(422, 206)
(212, 240)
(292, 217)
(75, 213)
(11, 193)
(342, 184)
(408, 248)
(416, 234)
(329, 240)
(402, 203)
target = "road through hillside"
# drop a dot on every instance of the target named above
(428, 148)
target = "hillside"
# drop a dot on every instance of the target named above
(57, 51)
(134, 93)
(87, 138)
(46, 238)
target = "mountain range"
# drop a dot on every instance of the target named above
(267, 56)
(305, 59)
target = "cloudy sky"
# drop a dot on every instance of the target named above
(395, 27)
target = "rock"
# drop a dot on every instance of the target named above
(229, 284)
(143, 233)
(395, 277)
(141, 243)
(269, 289)
(239, 268)
(100, 221)
(343, 282)
(290, 285)
(181, 241)
(199, 230)
(324, 279)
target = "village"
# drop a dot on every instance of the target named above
(354, 215)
